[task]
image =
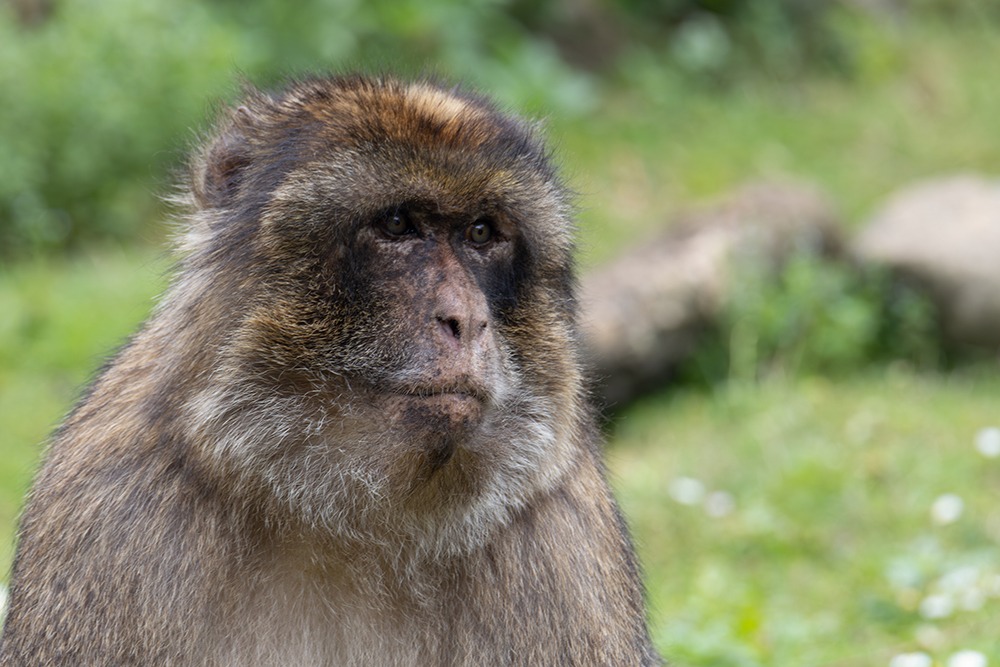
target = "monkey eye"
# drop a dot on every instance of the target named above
(480, 232)
(397, 224)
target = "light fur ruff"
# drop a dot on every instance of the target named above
(354, 431)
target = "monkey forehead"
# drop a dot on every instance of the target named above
(437, 104)
(373, 144)
(416, 123)
(353, 147)
(358, 110)
(350, 188)
(456, 182)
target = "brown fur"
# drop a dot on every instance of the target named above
(353, 432)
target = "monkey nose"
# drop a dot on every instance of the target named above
(461, 331)
(460, 314)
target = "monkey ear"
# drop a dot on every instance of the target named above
(219, 170)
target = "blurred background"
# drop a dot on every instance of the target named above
(812, 470)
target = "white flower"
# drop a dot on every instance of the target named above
(719, 504)
(686, 490)
(967, 658)
(915, 659)
(988, 442)
(960, 579)
(947, 508)
(936, 606)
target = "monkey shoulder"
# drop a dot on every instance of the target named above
(571, 580)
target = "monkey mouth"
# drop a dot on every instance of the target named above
(459, 392)
(446, 407)
(448, 403)
(446, 395)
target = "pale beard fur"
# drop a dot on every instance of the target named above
(372, 593)
(330, 470)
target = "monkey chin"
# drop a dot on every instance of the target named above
(441, 421)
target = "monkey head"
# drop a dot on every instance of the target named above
(377, 279)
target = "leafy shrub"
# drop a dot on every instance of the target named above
(976, 10)
(816, 316)
(95, 100)
(100, 97)
(718, 39)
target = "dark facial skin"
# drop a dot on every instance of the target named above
(436, 268)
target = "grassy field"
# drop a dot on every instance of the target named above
(788, 522)
(812, 523)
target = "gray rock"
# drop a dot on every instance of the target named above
(643, 313)
(945, 235)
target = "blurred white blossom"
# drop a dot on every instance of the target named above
(988, 442)
(936, 606)
(947, 508)
(959, 579)
(686, 490)
(915, 659)
(967, 658)
(719, 504)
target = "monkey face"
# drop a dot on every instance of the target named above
(430, 282)
(394, 265)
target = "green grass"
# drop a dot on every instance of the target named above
(830, 545)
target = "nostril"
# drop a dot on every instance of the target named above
(452, 326)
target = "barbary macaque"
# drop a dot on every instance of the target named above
(355, 429)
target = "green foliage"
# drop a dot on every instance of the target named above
(816, 316)
(721, 39)
(976, 10)
(100, 98)
(95, 101)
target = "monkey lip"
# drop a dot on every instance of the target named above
(457, 392)
(443, 396)
(456, 402)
